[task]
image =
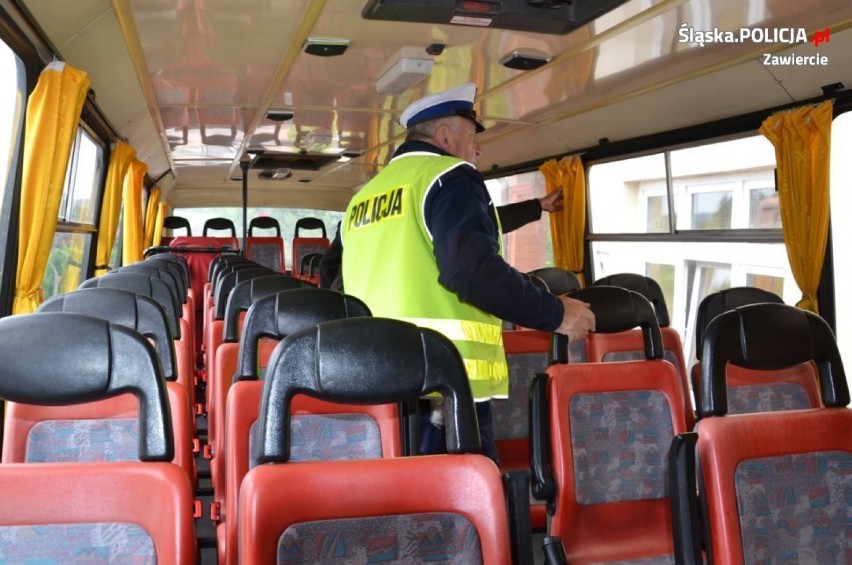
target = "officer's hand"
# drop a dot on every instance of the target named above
(552, 202)
(577, 321)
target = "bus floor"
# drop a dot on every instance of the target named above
(205, 529)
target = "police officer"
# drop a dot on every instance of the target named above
(423, 244)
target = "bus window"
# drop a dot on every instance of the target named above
(11, 127)
(69, 253)
(841, 231)
(529, 247)
(726, 229)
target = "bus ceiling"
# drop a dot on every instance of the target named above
(199, 83)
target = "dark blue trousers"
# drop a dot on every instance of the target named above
(433, 438)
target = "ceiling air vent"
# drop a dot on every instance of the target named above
(540, 16)
(275, 174)
(271, 161)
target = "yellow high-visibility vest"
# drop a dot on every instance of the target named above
(389, 263)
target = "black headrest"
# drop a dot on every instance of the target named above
(219, 224)
(221, 261)
(265, 223)
(646, 286)
(228, 281)
(176, 223)
(278, 315)
(364, 361)
(178, 260)
(160, 272)
(145, 285)
(247, 293)
(223, 269)
(178, 269)
(136, 311)
(769, 337)
(558, 281)
(84, 360)
(310, 224)
(617, 309)
(724, 300)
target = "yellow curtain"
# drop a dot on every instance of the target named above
(133, 233)
(151, 215)
(53, 112)
(802, 140)
(567, 226)
(119, 163)
(158, 224)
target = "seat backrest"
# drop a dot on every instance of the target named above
(766, 338)
(165, 274)
(248, 292)
(86, 359)
(607, 427)
(527, 352)
(267, 250)
(222, 224)
(174, 264)
(118, 306)
(359, 431)
(177, 223)
(145, 285)
(135, 311)
(228, 281)
(628, 344)
(302, 245)
(646, 286)
(173, 223)
(724, 300)
(120, 512)
(367, 360)
(773, 487)
(558, 281)
(219, 224)
(717, 303)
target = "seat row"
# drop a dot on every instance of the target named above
(601, 431)
(266, 250)
(454, 504)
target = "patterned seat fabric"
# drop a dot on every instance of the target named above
(413, 538)
(77, 543)
(620, 441)
(796, 508)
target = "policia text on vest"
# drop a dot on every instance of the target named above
(376, 209)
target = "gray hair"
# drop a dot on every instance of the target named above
(423, 130)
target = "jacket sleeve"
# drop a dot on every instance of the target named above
(519, 214)
(460, 217)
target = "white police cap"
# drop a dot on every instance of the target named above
(456, 101)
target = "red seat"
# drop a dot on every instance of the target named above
(275, 316)
(119, 511)
(428, 497)
(772, 484)
(607, 428)
(269, 250)
(371, 360)
(63, 510)
(304, 245)
(219, 380)
(527, 352)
